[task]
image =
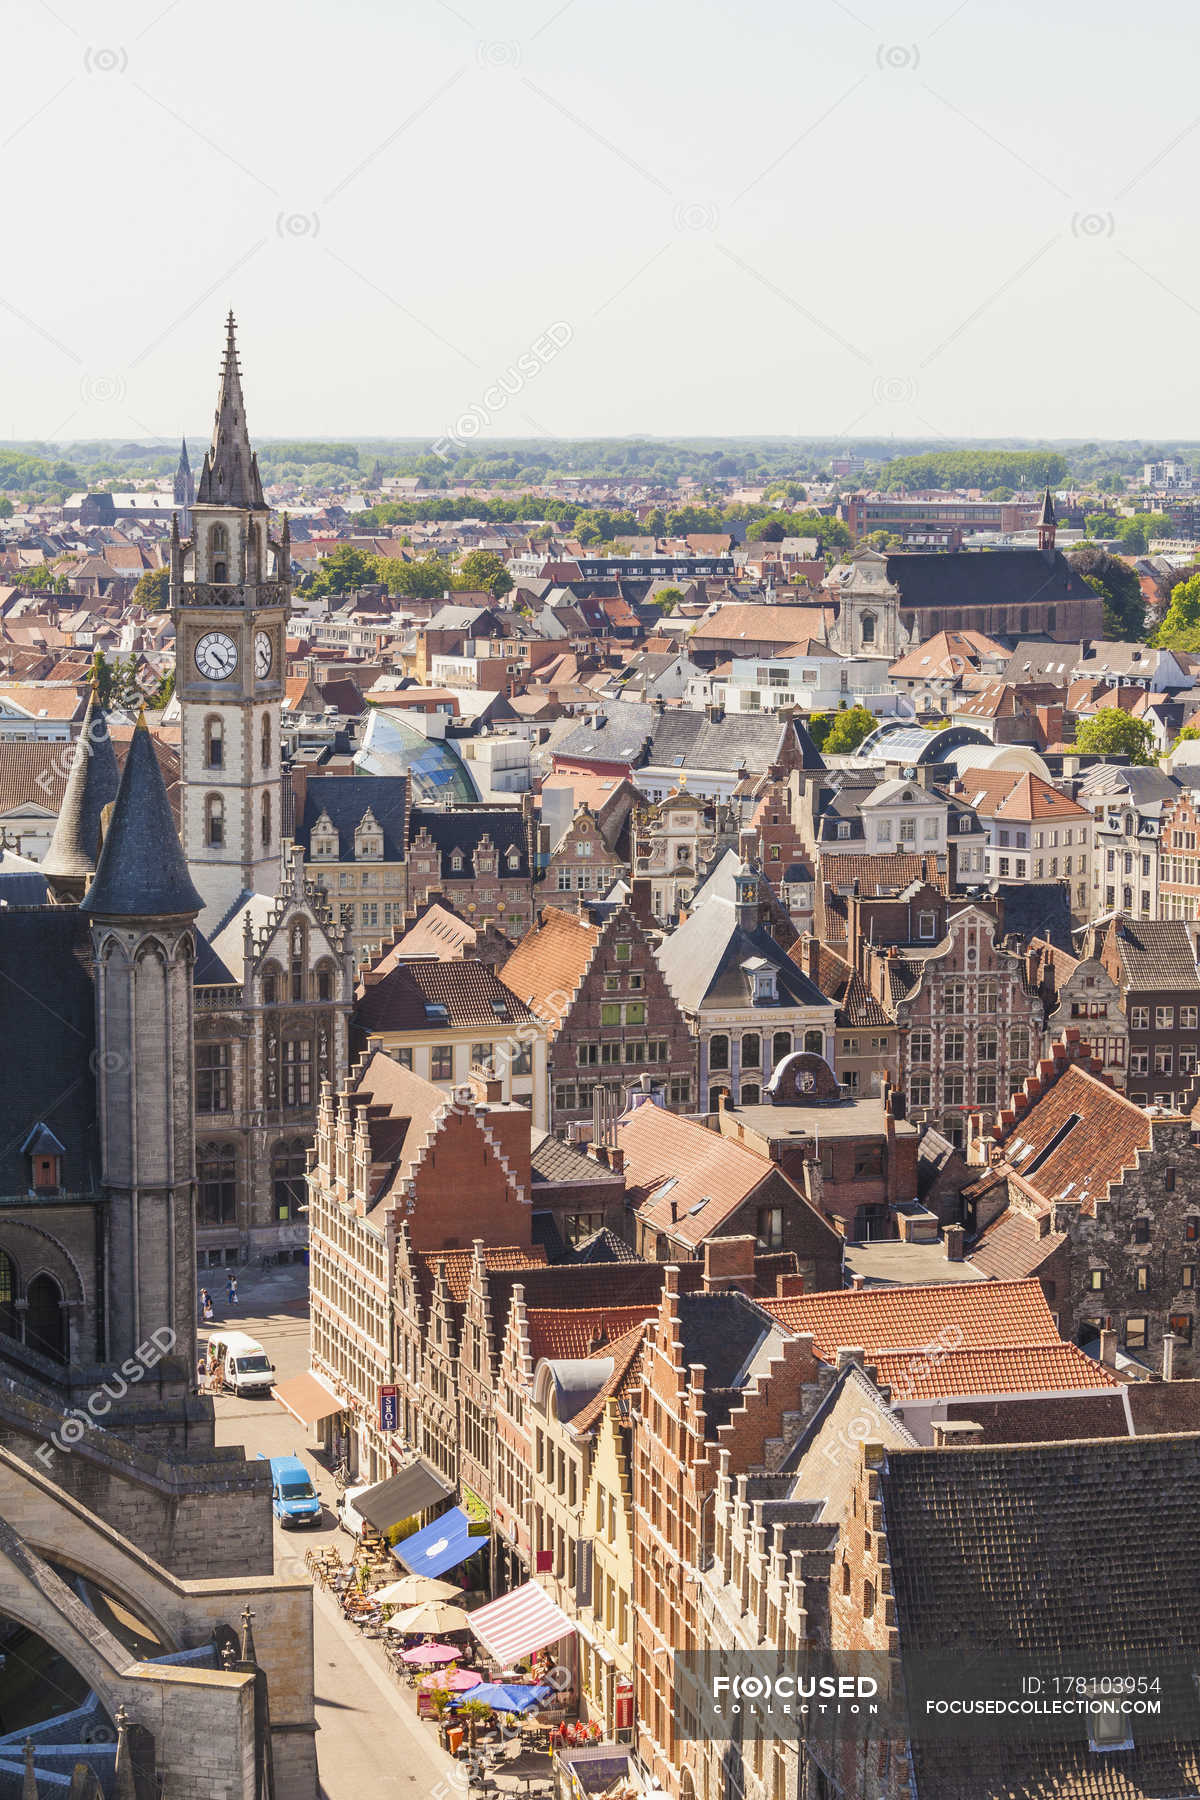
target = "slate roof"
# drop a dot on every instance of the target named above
(1031, 909)
(91, 786)
(142, 872)
(619, 732)
(691, 740)
(1164, 1406)
(463, 828)
(973, 1315)
(1048, 1554)
(558, 1163)
(346, 798)
(984, 578)
(47, 1003)
(1155, 954)
(470, 991)
(732, 1338)
(702, 962)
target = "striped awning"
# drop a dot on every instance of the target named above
(519, 1623)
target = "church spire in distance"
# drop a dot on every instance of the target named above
(230, 473)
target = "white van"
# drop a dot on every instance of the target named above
(347, 1518)
(241, 1362)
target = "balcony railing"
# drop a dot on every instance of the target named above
(233, 593)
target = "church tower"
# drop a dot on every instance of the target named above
(185, 489)
(142, 907)
(229, 600)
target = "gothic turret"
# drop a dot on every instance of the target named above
(185, 488)
(142, 907)
(1047, 524)
(70, 862)
(230, 473)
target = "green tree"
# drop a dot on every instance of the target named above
(1180, 629)
(153, 590)
(1112, 732)
(848, 730)
(426, 579)
(101, 677)
(484, 572)
(819, 726)
(667, 599)
(6, 507)
(1188, 735)
(344, 569)
(1119, 588)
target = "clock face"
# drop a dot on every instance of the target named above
(216, 656)
(262, 655)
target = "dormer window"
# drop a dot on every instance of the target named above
(927, 926)
(456, 862)
(514, 859)
(45, 1157)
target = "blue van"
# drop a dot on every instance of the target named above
(293, 1498)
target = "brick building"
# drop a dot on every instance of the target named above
(1101, 1199)
(1179, 860)
(608, 1012)
(1153, 962)
(969, 1023)
(583, 864)
(687, 1185)
(481, 859)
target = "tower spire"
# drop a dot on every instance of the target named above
(92, 784)
(1047, 523)
(230, 473)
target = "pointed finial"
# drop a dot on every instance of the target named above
(248, 1655)
(141, 720)
(29, 1786)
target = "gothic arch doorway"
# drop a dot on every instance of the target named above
(45, 1319)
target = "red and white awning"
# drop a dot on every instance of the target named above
(519, 1623)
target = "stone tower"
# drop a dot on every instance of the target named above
(1047, 525)
(142, 906)
(185, 489)
(229, 601)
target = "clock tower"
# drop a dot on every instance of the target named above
(230, 588)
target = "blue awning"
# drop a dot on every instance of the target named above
(440, 1546)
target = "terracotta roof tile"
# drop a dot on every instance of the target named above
(626, 1353)
(1013, 1246)
(978, 1315)
(1002, 1369)
(550, 961)
(680, 1177)
(582, 1331)
(1075, 1139)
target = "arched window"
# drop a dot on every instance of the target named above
(214, 822)
(868, 628)
(8, 1296)
(749, 1093)
(751, 1050)
(270, 984)
(718, 1051)
(214, 744)
(815, 1041)
(266, 741)
(216, 1184)
(324, 984)
(781, 1046)
(266, 821)
(45, 1318)
(289, 1160)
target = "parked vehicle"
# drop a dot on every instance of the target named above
(241, 1363)
(294, 1499)
(348, 1519)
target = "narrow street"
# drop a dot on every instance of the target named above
(370, 1744)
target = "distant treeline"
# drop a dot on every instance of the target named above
(986, 469)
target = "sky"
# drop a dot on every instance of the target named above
(527, 218)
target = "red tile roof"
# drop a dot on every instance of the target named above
(550, 961)
(1003, 1369)
(1014, 1246)
(581, 1332)
(1084, 1134)
(976, 1315)
(680, 1177)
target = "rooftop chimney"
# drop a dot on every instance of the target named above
(948, 1433)
(1108, 1348)
(1170, 1342)
(954, 1236)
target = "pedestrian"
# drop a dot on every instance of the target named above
(231, 1289)
(201, 1370)
(205, 1302)
(208, 1309)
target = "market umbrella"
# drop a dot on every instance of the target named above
(411, 1590)
(455, 1681)
(430, 1654)
(431, 1616)
(508, 1696)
